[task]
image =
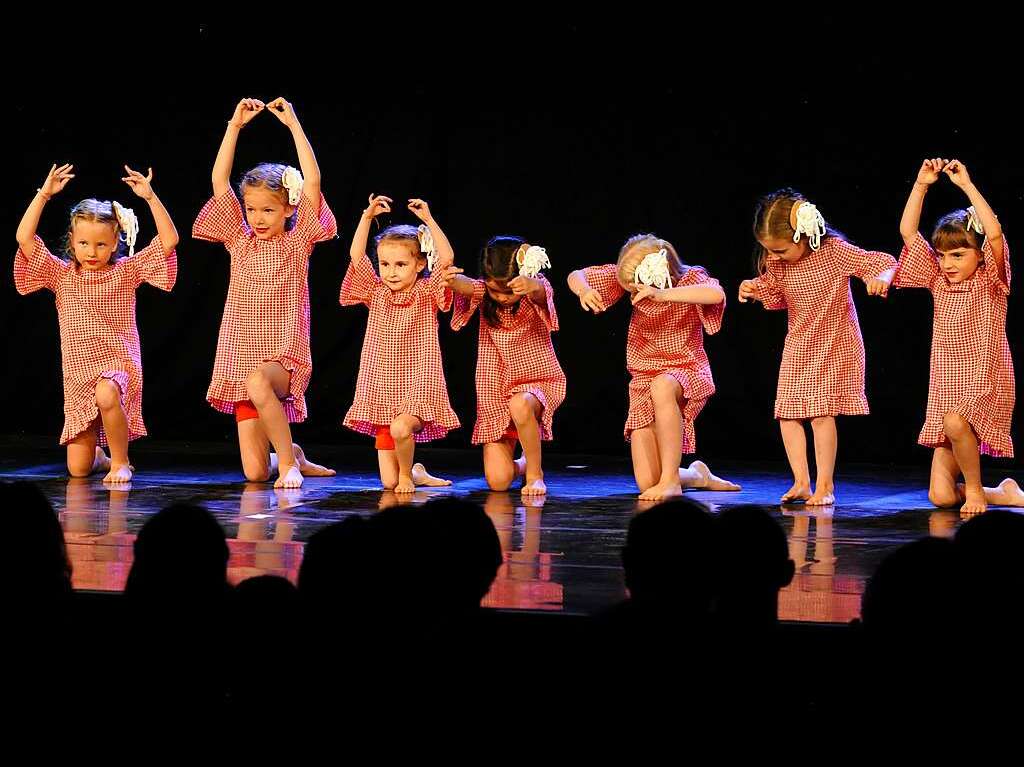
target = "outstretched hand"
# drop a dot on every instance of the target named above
(140, 184)
(56, 179)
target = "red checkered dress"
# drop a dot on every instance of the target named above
(517, 356)
(266, 315)
(665, 338)
(971, 367)
(98, 335)
(822, 372)
(400, 367)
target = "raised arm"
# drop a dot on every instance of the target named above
(443, 248)
(926, 176)
(244, 112)
(55, 181)
(957, 173)
(378, 204)
(285, 112)
(142, 186)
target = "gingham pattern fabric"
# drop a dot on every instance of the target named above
(98, 334)
(822, 371)
(266, 314)
(514, 357)
(400, 369)
(665, 338)
(971, 366)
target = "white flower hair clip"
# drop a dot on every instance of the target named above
(128, 223)
(809, 222)
(974, 222)
(531, 259)
(653, 270)
(427, 245)
(292, 180)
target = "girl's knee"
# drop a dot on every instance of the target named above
(402, 427)
(499, 483)
(257, 475)
(645, 479)
(955, 425)
(108, 395)
(943, 497)
(664, 387)
(389, 479)
(255, 470)
(499, 472)
(258, 386)
(520, 409)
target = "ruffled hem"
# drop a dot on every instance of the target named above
(993, 440)
(491, 427)
(819, 407)
(437, 421)
(223, 394)
(641, 408)
(79, 420)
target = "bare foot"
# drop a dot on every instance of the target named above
(120, 474)
(405, 485)
(534, 486)
(289, 476)
(974, 503)
(309, 469)
(100, 462)
(800, 491)
(709, 481)
(1010, 493)
(420, 476)
(661, 491)
(822, 497)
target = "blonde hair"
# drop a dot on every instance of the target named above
(94, 211)
(269, 176)
(638, 246)
(773, 221)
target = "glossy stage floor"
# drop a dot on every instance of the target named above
(561, 551)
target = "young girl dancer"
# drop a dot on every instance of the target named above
(805, 267)
(966, 267)
(263, 362)
(95, 294)
(401, 396)
(673, 306)
(519, 383)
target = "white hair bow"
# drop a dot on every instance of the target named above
(531, 259)
(128, 223)
(292, 180)
(974, 222)
(427, 245)
(809, 222)
(653, 270)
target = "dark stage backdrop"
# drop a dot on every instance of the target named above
(575, 138)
